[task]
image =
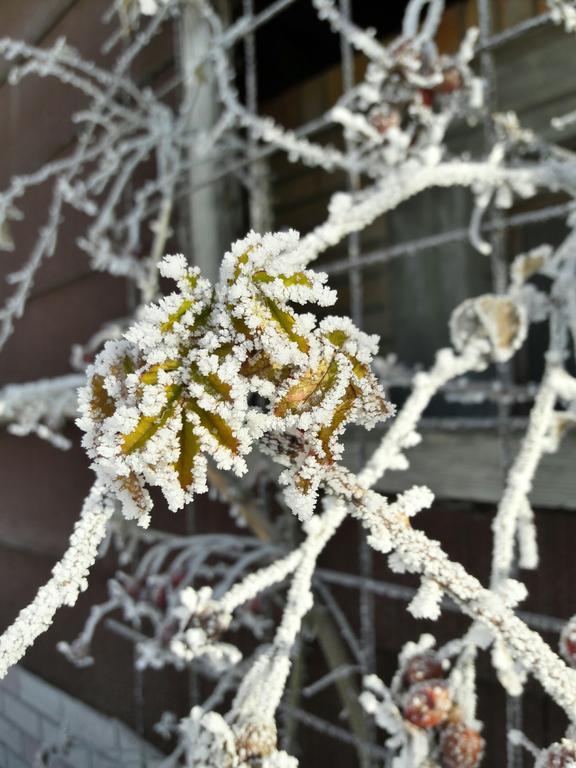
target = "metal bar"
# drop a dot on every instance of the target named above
(304, 131)
(327, 728)
(471, 424)
(402, 593)
(499, 266)
(513, 33)
(233, 34)
(355, 280)
(412, 247)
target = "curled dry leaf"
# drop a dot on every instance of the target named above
(498, 322)
(529, 264)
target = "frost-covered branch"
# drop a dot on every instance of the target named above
(402, 433)
(69, 578)
(352, 213)
(41, 407)
(536, 442)
(212, 373)
(391, 531)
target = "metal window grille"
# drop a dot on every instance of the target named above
(353, 267)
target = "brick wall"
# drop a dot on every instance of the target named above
(36, 716)
(42, 487)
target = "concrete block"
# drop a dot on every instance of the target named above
(15, 761)
(10, 736)
(12, 681)
(22, 715)
(43, 697)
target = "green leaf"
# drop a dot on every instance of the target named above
(212, 384)
(175, 316)
(360, 369)
(286, 322)
(310, 390)
(298, 278)
(259, 365)
(337, 337)
(224, 350)
(101, 402)
(149, 425)
(189, 449)
(240, 325)
(216, 425)
(243, 259)
(340, 414)
(128, 365)
(150, 376)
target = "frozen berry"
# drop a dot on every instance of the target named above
(460, 746)
(177, 577)
(167, 632)
(427, 95)
(568, 642)
(428, 704)
(452, 81)
(559, 755)
(256, 741)
(384, 121)
(134, 588)
(159, 597)
(422, 666)
(255, 606)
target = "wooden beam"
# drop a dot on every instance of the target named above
(29, 20)
(466, 466)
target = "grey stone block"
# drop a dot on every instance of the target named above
(10, 736)
(22, 715)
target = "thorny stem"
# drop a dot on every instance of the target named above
(161, 234)
(399, 436)
(319, 616)
(253, 584)
(521, 475)
(69, 578)
(259, 695)
(348, 214)
(425, 556)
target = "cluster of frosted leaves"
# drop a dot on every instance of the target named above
(207, 371)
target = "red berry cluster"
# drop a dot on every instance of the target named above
(568, 642)
(428, 704)
(460, 746)
(401, 95)
(559, 755)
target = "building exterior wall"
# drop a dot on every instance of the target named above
(42, 488)
(37, 719)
